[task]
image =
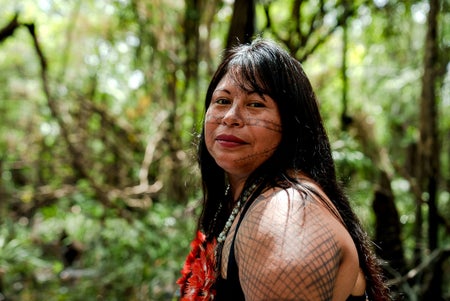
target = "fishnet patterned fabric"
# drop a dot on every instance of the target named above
(285, 249)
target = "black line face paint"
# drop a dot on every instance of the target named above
(265, 123)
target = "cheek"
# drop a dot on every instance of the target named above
(212, 116)
(267, 127)
(273, 127)
(270, 133)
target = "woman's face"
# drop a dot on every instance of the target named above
(242, 129)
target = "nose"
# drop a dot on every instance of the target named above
(233, 116)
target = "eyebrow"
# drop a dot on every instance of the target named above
(222, 90)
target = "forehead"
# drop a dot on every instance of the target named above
(227, 81)
(235, 78)
(230, 85)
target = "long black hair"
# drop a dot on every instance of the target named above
(265, 67)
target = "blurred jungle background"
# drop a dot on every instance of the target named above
(101, 105)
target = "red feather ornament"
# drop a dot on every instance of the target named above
(198, 273)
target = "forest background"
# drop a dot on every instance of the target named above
(101, 104)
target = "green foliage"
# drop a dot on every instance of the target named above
(18, 255)
(139, 259)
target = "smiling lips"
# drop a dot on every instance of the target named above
(229, 141)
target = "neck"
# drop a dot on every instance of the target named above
(236, 185)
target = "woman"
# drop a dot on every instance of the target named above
(275, 224)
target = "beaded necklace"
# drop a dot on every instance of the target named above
(237, 208)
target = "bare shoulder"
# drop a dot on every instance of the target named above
(289, 246)
(282, 214)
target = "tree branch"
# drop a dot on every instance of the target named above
(10, 28)
(435, 256)
(76, 154)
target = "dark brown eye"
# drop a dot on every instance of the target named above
(222, 101)
(256, 104)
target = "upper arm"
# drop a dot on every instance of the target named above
(287, 248)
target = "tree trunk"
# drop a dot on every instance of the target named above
(428, 143)
(192, 38)
(345, 118)
(242, 27)
(387, 226)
